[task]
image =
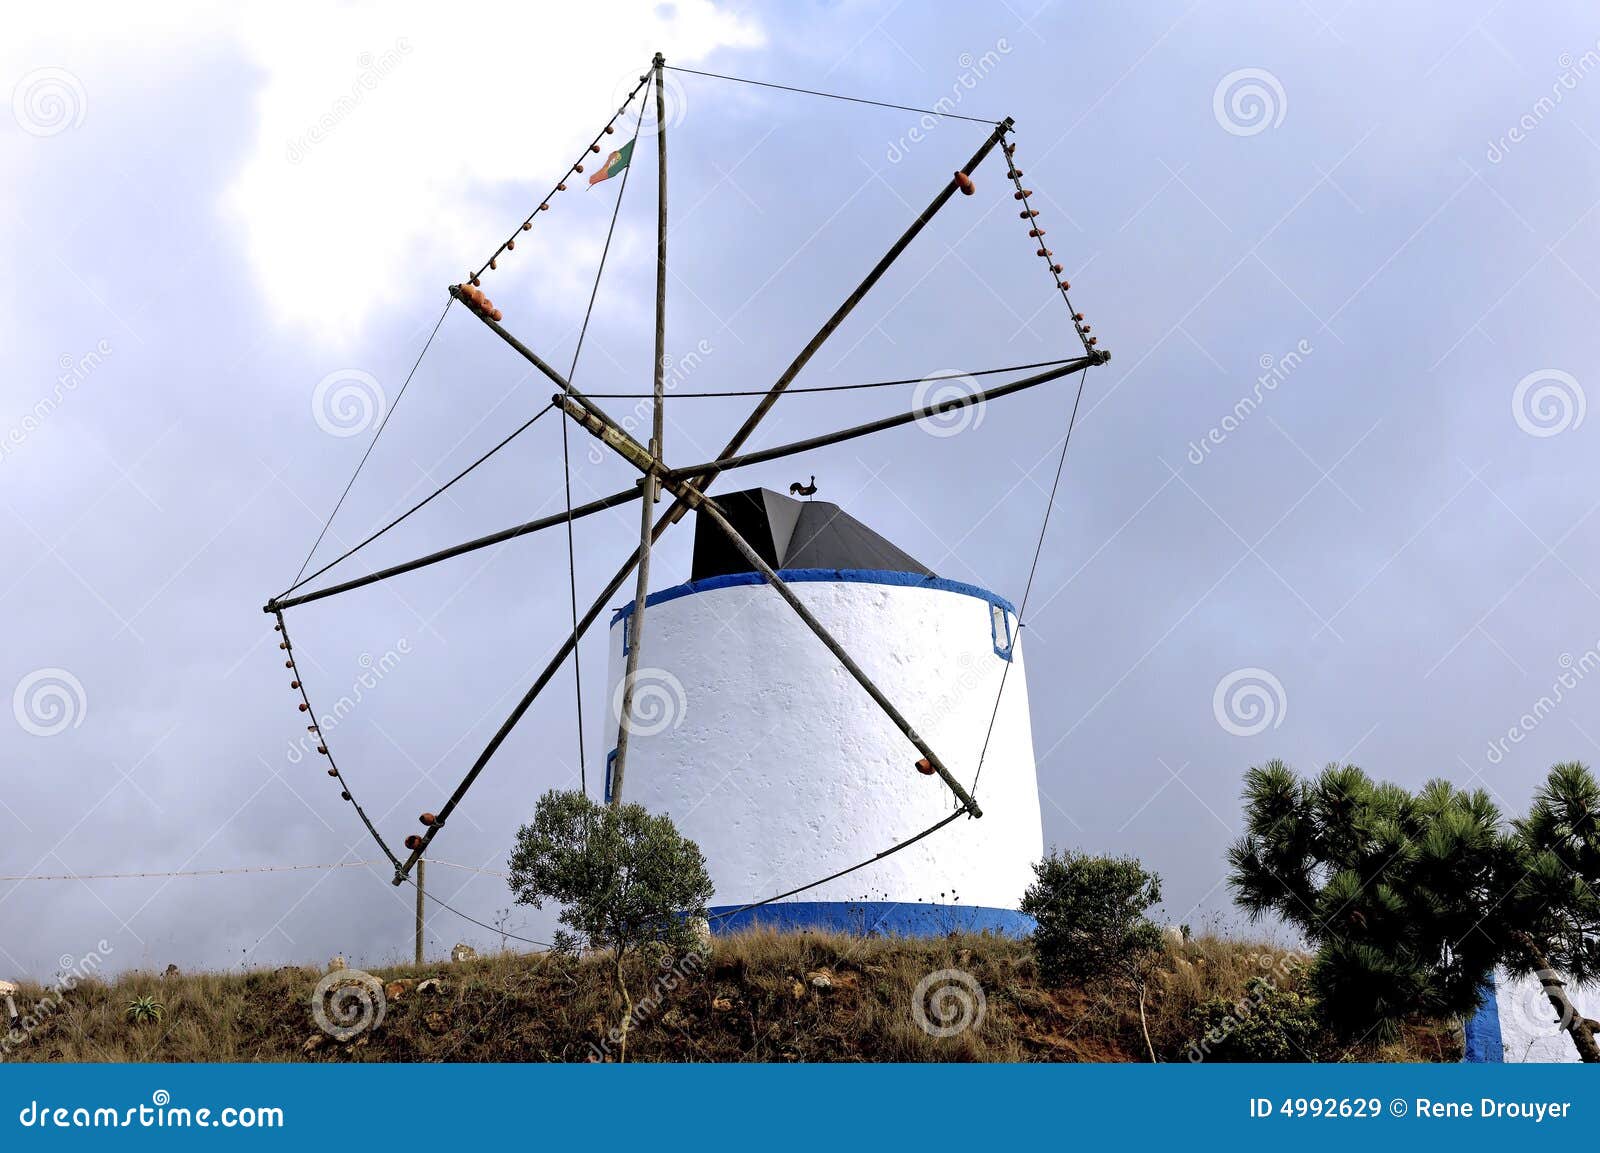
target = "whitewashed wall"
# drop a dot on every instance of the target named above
(783, 769)
(1529, 1030)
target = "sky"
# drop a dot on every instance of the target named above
(1331, 500)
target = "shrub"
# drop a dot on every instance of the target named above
(1268, 1023)
(1092, 924)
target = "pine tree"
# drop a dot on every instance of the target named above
(1411, 900)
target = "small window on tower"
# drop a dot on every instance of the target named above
(627, 633)
(1000, 630)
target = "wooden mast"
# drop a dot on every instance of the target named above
(633, 627)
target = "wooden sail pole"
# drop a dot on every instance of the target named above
(649, 486)
(939, 408)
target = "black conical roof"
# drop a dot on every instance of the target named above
(793, 534)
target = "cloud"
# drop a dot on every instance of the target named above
(401, 142)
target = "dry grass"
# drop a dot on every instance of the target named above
(753, 999)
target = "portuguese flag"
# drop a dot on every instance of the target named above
(614, 164)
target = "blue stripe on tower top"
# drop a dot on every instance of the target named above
(831, 575)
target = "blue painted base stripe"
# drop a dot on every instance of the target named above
(874, 918)
(834, 575)
(1484, 1044)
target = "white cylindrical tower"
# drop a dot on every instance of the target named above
(769, 755)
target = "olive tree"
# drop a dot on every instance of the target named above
(623, 876)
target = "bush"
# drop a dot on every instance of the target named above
(1267, 1024)
(1092, 924)
(1091, 915)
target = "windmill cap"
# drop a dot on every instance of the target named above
(793, 534)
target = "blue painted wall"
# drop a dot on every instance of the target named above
(874, 918)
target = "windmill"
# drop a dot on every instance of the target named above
(687, 486)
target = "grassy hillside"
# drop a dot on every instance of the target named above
(758, 997)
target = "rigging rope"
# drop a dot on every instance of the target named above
(830, 95)
(1027, 589)
(566, 456)
(382, 424)
(436, 492)
(889, 852)
(188, 872)
(315, 728)
(234, 870)
(1032, 217)
(481, 924)
(792, 389)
